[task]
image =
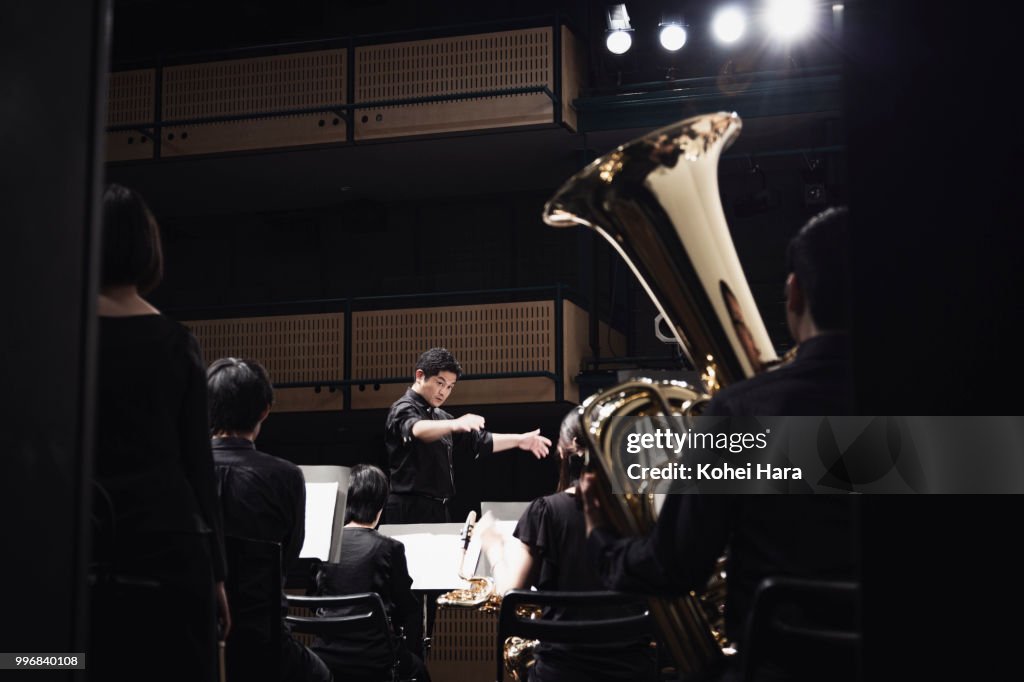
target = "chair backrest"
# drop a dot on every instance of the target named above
(350, 622)
(807, 628)
(595, 630)
(253, 585)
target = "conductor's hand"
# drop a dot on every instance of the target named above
(468, 422)
(535, 443)
(591, 504)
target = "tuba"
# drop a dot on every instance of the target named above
(656, 201)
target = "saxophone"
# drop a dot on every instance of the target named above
(656, 202)
(480, 594)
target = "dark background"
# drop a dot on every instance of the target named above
(930, 165)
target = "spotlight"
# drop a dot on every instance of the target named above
(619, 36)
(789, 19)
(729, 24)
(672, 33)
(618, 42)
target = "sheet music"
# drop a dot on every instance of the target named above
(432, 551)
(321, 499)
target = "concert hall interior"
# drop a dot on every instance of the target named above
(341, 185)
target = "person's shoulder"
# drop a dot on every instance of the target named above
(542, 507)
(732, 394)
(258, 461)
(279, 463)
(375, 542)
(405, 403)
(180, 336)
(802, 387)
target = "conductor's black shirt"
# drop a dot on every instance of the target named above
(422, 468)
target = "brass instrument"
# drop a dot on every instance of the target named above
(656, 201)
(482, 597)
(480, 593)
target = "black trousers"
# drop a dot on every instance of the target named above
(411, 508)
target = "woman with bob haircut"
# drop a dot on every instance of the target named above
(157, 515)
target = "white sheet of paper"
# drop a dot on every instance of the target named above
(433, 560)
(320, 501)
(433, 550)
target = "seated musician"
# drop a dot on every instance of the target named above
(371, 562)
(548, 551)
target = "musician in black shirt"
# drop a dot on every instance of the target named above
(371, 562)
(807, 536)
(263, 498)
(421, 438)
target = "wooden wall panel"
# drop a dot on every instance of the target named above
(449, 66)
(462, 647)
(486, 339)
(252, 86)
(293, 348)
(130, 100)
(577, 346)
(573, 66)
(498, 337)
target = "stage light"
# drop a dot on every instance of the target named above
(789, 19)
(619, 37)
(672, 35)
(618, 42)
(729, 24)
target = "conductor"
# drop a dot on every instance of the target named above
(421, 438)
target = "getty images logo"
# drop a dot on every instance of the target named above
(873, 451)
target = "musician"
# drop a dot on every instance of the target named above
(262, 497)
(371, 562)
(153, 472)
(421, 439)
(797, 535)
(548, 551)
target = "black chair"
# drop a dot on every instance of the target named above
(352, 622)
(516, 622)
(807, 629)
(253, 585)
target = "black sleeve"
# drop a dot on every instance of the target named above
(402, 417)
(196, 457)
(532, 528)
(676, 557)
(477, 442)
(293, 541)
(407, 607)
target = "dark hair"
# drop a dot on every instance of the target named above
(239, 391)
(574, 449)
(818, 256)
(131, 241)
(437, 360)
(367, 492)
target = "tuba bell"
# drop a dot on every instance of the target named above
(656, 201)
